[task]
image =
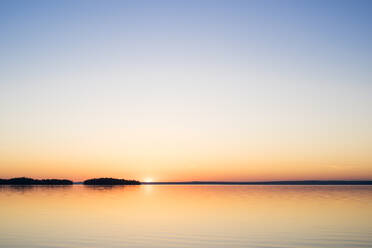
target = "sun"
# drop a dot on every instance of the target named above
(148, 180)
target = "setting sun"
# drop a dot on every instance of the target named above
(148, 180)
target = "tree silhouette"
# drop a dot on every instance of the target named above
(30, 181)
(110, 181)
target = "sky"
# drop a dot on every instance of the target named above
(186, 90)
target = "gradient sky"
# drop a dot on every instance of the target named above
(186, 90)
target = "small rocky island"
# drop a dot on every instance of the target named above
(110, 181)
(30, 181)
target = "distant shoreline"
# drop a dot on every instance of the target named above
(31, 181)
(114, 181)
(305, 182)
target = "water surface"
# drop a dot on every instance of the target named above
(185, 216)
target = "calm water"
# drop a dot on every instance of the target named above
(186, 216)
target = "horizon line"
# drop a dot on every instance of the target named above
(280, 182)
(268, 182)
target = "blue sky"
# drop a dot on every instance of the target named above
(164, 86)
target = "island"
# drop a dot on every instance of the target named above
(110, 181)
(30, 181)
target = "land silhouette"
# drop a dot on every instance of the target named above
(30, 181)
(115, 181)
(303, 182)
(110, 181)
